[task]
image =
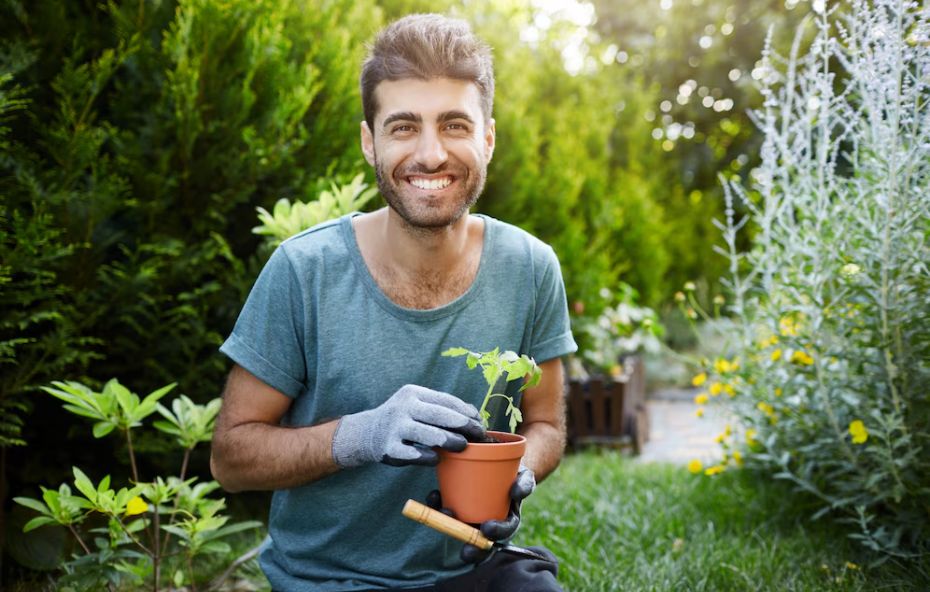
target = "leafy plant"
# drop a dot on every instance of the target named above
(494, 366)
(830, 374)
(135, 545)
(287, 219)
(623, 327)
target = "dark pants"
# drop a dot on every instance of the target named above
(503, 572)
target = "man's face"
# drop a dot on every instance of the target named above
(430, 148)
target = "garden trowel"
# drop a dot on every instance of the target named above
(463, 532)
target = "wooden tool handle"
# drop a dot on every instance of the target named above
(446, 524)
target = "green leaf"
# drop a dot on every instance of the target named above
(177, 531)
(33, 504)
(454, 352)
(84, 485)
(491, 374)
(178, 578)
(232, 528)
(218, 547)
(103, 428)
(37, 522)
(126, 399)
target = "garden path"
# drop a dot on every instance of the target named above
(676, 435)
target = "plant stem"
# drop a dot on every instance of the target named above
(177, 499)
(156, 564)
(190, 570)
(79, 539)
(132, 456)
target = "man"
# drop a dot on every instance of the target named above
(339, 394)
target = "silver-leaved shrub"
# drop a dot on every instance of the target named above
(831, 377)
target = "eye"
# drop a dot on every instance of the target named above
(457, 127)
(402, 129)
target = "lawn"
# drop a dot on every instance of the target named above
(619, 525)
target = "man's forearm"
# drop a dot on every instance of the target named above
(258, 456)
(545, 445)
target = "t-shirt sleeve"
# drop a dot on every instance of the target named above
(268, 338)
(552, 332)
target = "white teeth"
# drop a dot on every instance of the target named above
(431, 183)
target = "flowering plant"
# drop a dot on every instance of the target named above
(622, 328)
(830, 372)
(142, 517)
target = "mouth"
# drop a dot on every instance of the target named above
(434, 183)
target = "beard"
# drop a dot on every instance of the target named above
(421, 214)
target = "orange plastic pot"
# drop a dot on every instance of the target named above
(475, 483)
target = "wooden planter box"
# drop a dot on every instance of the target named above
(610, 411)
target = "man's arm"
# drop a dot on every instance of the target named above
(543, 408)
(251, 451)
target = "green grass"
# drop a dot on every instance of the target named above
(620, 525)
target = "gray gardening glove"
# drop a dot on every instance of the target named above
(496, 530)
(404, 429)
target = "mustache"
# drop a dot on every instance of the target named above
(422, 170)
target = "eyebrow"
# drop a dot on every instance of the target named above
(416, 118)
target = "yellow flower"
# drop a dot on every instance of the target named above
(722, 366)
(773, 340)
(719, 300)
(714, 470)
(765, 408)
(776, 355)
(695, 466)
(803, 358)
(778, 391)
(700, 399)
(720, 438)
(738, 458)
(136, 506)
(699, 379)
(679, 296)
(727, 430)
(729, 390)
(715, 389)
(751, 436)
(858, 431)
(788, 326)
(851, 565)
(699, 412)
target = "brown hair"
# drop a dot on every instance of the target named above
(427, 46)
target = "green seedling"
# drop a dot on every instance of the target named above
(495, 365)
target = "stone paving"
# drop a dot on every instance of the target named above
(676, 435)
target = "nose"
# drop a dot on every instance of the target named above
(430, 152)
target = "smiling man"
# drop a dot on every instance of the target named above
(339, 396)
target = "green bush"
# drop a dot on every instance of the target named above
(135, 143)
(833, 342)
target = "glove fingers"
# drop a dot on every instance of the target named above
(447, 401)
(430, 436)
(472, 554)
(443, 417)
(407, 454)
(501, 529)
(524, 484)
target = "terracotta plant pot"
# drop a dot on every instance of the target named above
(475, 483)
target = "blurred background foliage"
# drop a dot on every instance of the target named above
(138, 138)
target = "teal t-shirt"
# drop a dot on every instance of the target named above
(318, 328)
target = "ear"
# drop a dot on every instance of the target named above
(489, 139)
(368, 143)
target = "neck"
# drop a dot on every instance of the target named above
(422, 251)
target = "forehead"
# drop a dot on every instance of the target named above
(427, 98)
